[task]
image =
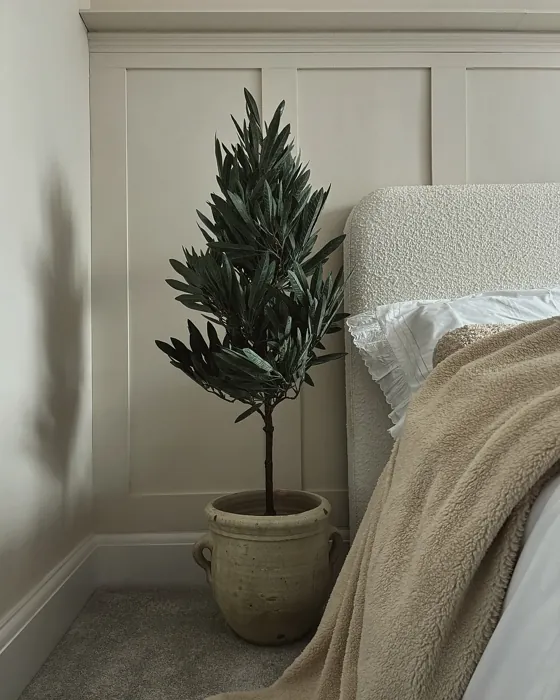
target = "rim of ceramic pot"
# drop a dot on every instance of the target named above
(246, 507)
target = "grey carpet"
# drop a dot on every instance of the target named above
(153, 645)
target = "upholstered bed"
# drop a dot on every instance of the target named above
(435, 242)
(441, 242)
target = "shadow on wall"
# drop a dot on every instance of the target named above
(61, 296)
(44, 534)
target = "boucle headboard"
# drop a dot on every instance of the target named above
(435, 242)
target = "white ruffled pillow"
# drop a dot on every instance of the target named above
(381, 362)
(397, 341)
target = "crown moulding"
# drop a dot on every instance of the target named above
(147, 21)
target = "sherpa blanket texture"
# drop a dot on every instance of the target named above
(423, 585)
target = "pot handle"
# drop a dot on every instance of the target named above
(335, 551)
(205, 542)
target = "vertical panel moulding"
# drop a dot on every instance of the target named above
(281, 84)
(109, 283)
(449, 125)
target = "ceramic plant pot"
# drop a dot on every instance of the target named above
(270, 575)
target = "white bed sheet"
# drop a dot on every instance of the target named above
(522, 659)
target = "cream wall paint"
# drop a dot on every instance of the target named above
(45, 388)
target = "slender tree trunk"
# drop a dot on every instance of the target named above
(268, 473)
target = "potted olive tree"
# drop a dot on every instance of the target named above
(259, 284)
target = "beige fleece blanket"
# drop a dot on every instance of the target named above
(422, 588)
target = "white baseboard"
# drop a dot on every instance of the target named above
(30, 631)
(150, 559)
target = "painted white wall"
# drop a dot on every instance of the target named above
(45, 394)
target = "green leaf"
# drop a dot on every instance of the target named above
(241, 209)
(321, 359)
(218, 150)
(192, 302)
(316, 284)
(231, 247)
(279, 144)
(207, 223)
(179, 345)
(212, 319)
(246, 414)
(269, 200)
(316, 204)
(207, 237)
(238, 128)
(228, 273)
(166, 348)
(324, 253)
(252, 109)
(308, 380)
(198, 344)
(261, 275)
(179, 267)
(179, 286)
(229, 219)
(272, 129)
(213, 339)
(257, 360)
(296, 285)
(288, 327)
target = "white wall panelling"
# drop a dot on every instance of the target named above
(351, 123)
(449, 128)
(109, 290)
(367, 111)
(524, 147)
(174, 425)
